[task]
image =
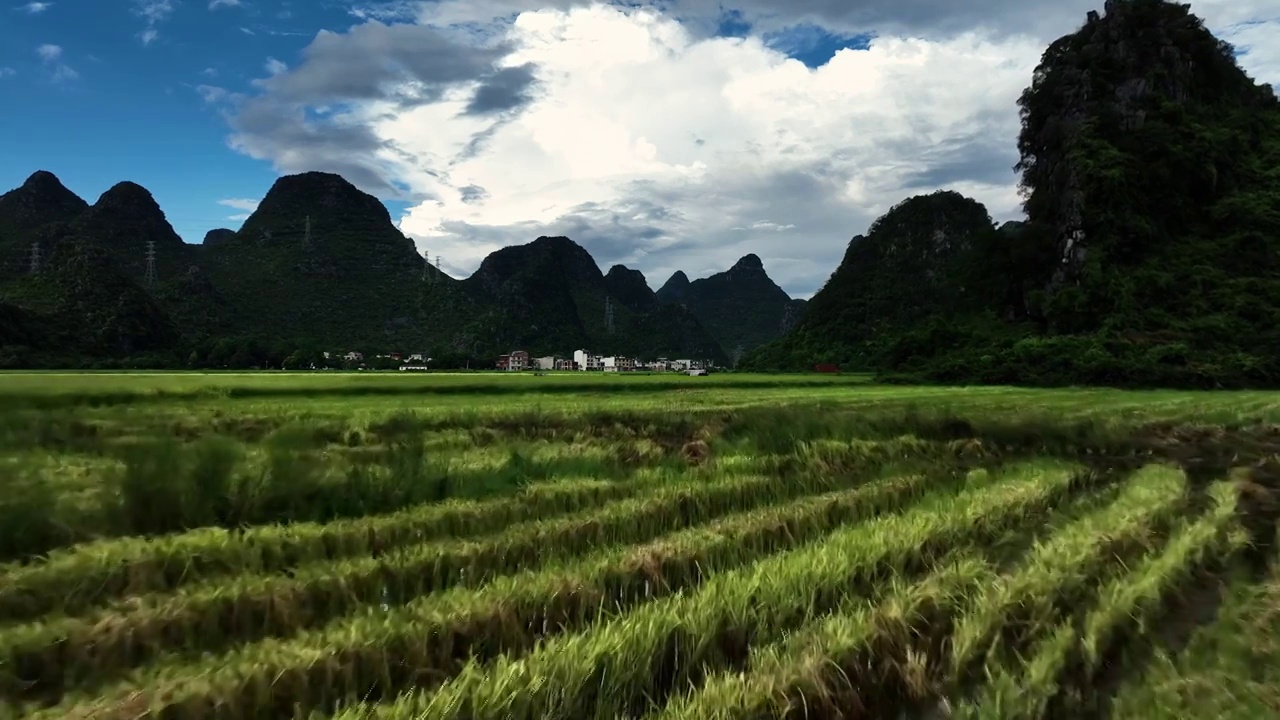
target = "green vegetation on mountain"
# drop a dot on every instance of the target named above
(550, 296)
(1148, 257)
(742, 307)
(350, 281)
(319, 266)
(40, 201)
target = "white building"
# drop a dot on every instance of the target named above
(617, 363)
(583, 360)
(545, 363)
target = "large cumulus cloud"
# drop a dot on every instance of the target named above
(639, 133)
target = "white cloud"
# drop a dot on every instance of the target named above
(35, 8)
(625, 100)
(212, 94)
(663, 149)
(51, 56)
(153, 12)
(245, 205)
(209, 72)
(7, 72)
(275, 67)
(215, 4)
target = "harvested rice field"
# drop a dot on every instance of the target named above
(353, 547)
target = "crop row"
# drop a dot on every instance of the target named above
(866, 662)
(44, 658)
(79, 577)
(378, 653)
(1058, 675)
(75, 579)
(626, 667)
(1229, 669)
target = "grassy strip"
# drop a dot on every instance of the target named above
(627, 666)
(1062, 571)
(1063, 667)
(78, 578)
(875, 660)
(1229, 670)
(431, 638)
(43, 659)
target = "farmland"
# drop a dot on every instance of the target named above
(482, 546)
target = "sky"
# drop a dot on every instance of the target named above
(660, 134)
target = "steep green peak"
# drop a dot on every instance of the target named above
(675, 289)
(935, 217)
(630, 287)
(293, 198)
(748, 263)
(553, 260)
(130, 196)
(42, 199)
(126, 215)
(43, 181)
(217, 235)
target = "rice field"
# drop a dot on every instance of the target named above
(353, 547)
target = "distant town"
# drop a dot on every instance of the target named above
(521, 361)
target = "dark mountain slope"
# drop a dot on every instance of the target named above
(41, 200)
(675, 289)
(742, 307)
(550, 296)
(1149, 254)
(90, 308)
(353, 281)
(630, 288)
(909, 267)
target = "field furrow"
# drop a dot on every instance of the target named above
(80, 577)
(1060, 675)
(629, 665)
(1230, 669)
(42, 659)
(429, 639)
(880, 659)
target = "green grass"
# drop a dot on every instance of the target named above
(194, 546)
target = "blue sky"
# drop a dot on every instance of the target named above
(193, 100)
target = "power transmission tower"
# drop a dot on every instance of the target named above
(35, 257)
(608, 313)
(150, 277)
(306, 236)
(426, 264)
(437, 261)
(737, 355)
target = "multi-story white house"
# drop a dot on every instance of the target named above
(617, 364)
(583, 360)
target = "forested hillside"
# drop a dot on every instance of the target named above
(1150, 162)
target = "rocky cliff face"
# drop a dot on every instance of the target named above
(1142, 74)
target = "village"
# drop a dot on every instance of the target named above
(521, 361)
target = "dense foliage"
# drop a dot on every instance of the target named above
(319, 267)
(742, 307)
(1149, 162)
